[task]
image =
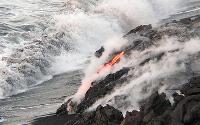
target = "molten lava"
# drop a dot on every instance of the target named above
(116, 58)
(112, 62)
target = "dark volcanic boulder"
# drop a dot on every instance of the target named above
(132, 118)
(102, 116)
(62, 110)
(99, 52)
(187, 111)
(139, 29)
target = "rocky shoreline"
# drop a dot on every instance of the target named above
(156, 109)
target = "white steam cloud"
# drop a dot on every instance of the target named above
(131, 13)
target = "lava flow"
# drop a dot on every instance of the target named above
(112, 62)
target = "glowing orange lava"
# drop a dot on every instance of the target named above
(112, 62)
(116, 58)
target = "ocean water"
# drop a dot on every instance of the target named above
(46, 45)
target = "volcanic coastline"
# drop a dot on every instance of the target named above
(156, 109)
